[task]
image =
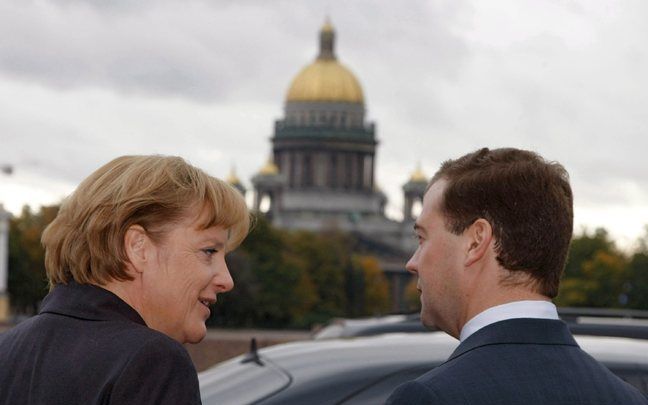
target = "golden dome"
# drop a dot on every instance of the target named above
(326, 79)
(269, 169)
(418, 176)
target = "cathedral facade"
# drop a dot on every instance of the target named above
(321, 174)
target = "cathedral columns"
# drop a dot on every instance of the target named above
(320, 169)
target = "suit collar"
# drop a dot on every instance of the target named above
(539, 309)
(86, 301)
(518, 331)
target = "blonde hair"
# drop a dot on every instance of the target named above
(85, 242)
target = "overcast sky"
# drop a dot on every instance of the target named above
(82, 82)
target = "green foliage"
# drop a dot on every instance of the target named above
(327, 259)
(412, 296)
(281, 278)
(27, 280)
(584, 247)
(237, 306)
(599, 275)
(298, 279)
(637, 286)
(375, 288)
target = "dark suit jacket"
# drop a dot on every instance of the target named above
(519, 361)
(87, 346)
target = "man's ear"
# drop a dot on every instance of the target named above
(136, 245)
(479, 236)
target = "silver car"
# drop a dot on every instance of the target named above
(365, 370)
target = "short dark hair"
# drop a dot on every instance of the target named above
(528, 202)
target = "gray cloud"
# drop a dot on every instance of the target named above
(211, 51)
(197, 50)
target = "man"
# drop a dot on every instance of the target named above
(493, 236)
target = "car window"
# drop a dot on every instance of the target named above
(379, 392)
(330, 388)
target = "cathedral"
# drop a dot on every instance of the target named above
(321, 174)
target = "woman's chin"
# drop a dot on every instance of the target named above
(196, 335)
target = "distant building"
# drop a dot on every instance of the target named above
(322, 171)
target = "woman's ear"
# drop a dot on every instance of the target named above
(479, 236)
(136, 245)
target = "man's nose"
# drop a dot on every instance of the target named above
(411, 265)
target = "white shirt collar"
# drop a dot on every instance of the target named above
(511, 310)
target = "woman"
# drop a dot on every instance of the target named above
(134, 258)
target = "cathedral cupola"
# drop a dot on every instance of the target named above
(413, 192)
(268, 185)
(235, 182)
(326, 79)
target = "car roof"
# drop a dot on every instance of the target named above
(434, 346)
(615, 349)
(581, 321)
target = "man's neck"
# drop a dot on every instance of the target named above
(539, 309)
(497, 297)
(501, 297)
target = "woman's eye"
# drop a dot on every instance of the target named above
(209, 252)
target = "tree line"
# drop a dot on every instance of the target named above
(299, 278)
(282, 278)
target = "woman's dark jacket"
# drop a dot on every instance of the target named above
(87, 346)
